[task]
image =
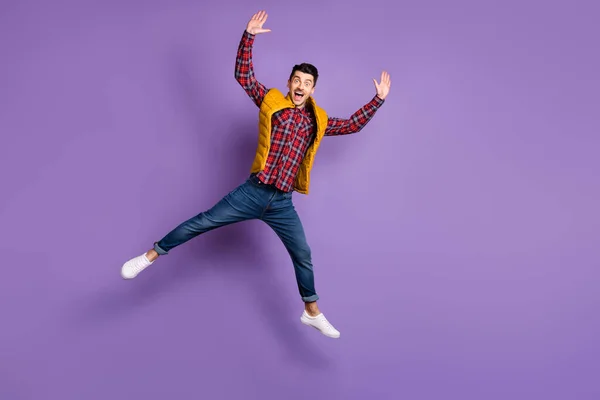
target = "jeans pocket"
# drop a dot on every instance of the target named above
(253, 180)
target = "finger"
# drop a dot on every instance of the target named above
(385, 76)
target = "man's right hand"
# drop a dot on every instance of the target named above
(255, 25)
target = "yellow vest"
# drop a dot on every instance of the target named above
(275, 101)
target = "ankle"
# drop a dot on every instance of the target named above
(312, 309)
(151, 255)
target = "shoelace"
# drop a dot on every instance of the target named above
(138, 265)
(325, 322)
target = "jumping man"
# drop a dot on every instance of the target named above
(291, 127)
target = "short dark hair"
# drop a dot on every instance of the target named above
(307, 69)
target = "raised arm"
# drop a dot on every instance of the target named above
(244, 69)
(358, 120)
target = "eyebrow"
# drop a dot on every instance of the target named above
(308, 80)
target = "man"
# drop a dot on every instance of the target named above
(290, 131)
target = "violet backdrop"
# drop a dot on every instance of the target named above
(455, 238)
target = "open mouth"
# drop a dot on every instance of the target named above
(298, 96)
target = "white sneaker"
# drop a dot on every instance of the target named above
(133, 267)
(321, 324)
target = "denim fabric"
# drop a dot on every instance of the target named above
(254, 200)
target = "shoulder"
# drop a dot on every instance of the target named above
(274, 93)
(320, 115)
(274, 99)
(318, 111)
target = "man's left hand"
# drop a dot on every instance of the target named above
(383, 88)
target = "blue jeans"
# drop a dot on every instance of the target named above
(254, 200)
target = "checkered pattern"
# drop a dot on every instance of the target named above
(293, 129)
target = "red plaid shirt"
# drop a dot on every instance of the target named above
(293, 129)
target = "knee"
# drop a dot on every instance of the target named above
(303, 253)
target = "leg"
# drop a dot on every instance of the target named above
(234, 207)
(282, 217)
(284, 220)
(230, 209)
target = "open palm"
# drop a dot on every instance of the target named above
(255, 25)
(383, 88)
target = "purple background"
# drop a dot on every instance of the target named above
(455, 239)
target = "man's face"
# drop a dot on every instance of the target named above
(301, 87)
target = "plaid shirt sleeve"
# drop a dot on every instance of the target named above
(358, 120)
(244, 70)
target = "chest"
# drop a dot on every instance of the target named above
(294, 120)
